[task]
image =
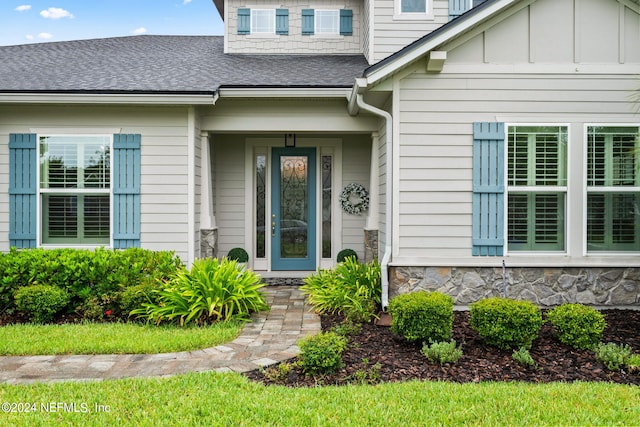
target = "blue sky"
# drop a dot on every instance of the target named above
(37, 21)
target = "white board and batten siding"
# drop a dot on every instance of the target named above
(508, 72)
(164, 162)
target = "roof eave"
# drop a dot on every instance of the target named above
(147, 98)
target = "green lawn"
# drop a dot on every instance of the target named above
(231, 400)
(111, 338)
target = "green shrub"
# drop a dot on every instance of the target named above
(422, 316)
(41, 302)
(613, 356)
(577, 325)
(352, 289)
(135, 296)
(238, 254)
(212, 290)
(442, 352)
(506, 323)
(523, 357)
(346, 253)
(322, 353)
(633, 363)
(83, 273)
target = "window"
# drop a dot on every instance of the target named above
(536, 187)
(263, 21)
(413, 6)
(327, 22)
(413, 9)
(613, 188)
(75, 189)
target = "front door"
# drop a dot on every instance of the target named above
(293, 204)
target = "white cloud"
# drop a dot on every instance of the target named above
(45, 36)
(186, 2)
(29, 37)
(23, 8)
(138, 31)
(55, 13)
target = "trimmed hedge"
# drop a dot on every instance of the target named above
(83, 273)
(422, 316)
(41, 302)
(506, 323)
(577, 325)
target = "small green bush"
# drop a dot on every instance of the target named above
(352, 289)
(633, 363)
(612, 355)
(346, 253)
(212, 290)
(442, 352)
(238, 254)
(577, 325)
(422, 316)
(523, 357)
(41, 302)
(83, 273)
(322, 353)
(506, 323)
(135, 296)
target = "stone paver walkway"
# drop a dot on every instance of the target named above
(270, 338)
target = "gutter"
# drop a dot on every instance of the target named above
(359, 88)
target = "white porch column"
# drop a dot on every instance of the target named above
(208, 228)
(373, 215)
(207, 218)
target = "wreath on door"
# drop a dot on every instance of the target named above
(354, 199)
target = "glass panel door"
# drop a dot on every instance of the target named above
(293, 217)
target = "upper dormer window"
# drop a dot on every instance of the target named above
(414, 9)
(263, 22)
(327, 21)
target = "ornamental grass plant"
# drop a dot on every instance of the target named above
(212, 290)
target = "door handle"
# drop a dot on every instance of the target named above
(273, 226)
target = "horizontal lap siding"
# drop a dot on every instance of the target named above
(164, 186)
(229, 191)
(356, 155)
(435, 147)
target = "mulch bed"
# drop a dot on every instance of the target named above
(402, 361)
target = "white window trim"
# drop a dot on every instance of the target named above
(566, 188)
(398, 15)
(585, 190)
(39, 192)
(319, 34)
(264, 34)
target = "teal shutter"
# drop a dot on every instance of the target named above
(457, 8)
(488, 189)
(346, 22)
(308, 24)
(126, 191)
(244, 21)
(282, 21)
(22, 190)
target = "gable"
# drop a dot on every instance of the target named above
(555, 31)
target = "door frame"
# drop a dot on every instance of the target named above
(325, 146)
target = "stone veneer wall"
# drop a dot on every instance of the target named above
(543, 286)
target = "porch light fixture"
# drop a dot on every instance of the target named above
(290, 140)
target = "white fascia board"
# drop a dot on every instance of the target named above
(284, 92)
(81, 98)
(412, 55)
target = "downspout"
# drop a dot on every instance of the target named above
(386, 258)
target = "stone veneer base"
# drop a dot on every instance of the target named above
(619, 287)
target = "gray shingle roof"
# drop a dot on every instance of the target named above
(164, 64)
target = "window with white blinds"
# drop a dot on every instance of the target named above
(536, 187)
(75, 189)
(613, 188)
